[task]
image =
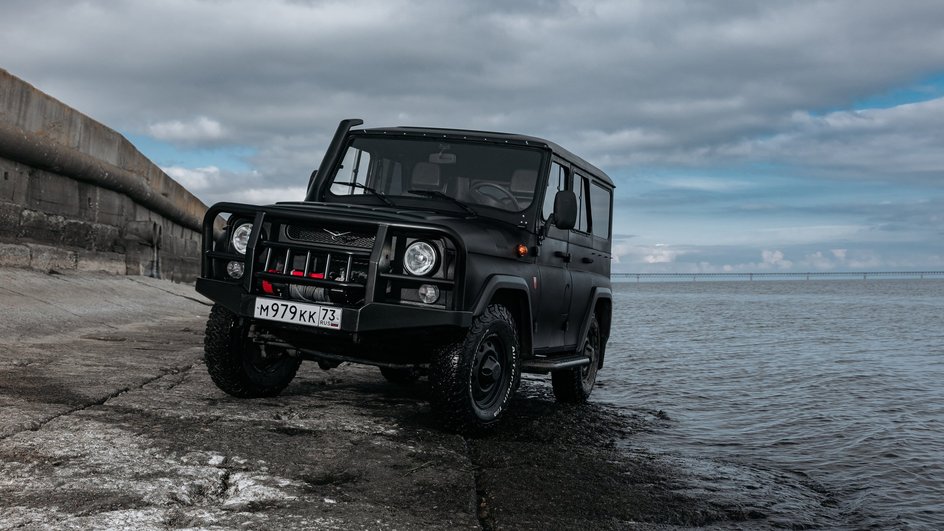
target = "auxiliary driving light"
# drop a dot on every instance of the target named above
(241, 237)
(234, 269)
(428, 293)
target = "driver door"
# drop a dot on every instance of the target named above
(552, 289)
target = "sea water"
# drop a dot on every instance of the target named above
(835, 386)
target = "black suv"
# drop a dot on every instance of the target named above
(471, 256)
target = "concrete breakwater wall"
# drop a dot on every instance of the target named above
(75, 194)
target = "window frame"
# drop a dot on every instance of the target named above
(564, 168)
(583, 205)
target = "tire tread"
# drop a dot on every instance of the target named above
(450, 400)
(225, 367)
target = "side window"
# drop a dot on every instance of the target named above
(580, 189)
(555, 183)
(354, 169)
(600, 210)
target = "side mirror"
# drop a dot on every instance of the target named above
(565, 210)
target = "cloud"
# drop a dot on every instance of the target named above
(269, 195)
(624, 252)
(819, 261)
(874, 144)
(725, 124)
(199, 129)
(214, 185)
(774, 259)
(196, 179)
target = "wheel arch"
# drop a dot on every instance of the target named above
(513, 293)
(601, 305)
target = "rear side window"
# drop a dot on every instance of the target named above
(600, 210)
(583, 216)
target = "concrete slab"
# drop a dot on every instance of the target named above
(108, 419)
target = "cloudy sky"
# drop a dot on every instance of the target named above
(742, 135)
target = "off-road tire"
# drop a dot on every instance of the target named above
(400, 375)
(575, 385)
(473, 378)
(233, 361)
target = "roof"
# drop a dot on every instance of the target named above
(491, 136)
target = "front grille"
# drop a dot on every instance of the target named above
(314, 264)
(333, 236)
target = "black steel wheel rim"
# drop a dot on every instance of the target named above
(260, 361)
(489, 372)
(588, 373)
(254, 357)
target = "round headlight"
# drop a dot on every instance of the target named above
(419, 259)
(241, 237)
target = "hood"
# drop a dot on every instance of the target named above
(374, 213)
(479, 234)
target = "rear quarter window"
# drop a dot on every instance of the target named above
(600, 200)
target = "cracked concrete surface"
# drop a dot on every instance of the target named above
(108, 420)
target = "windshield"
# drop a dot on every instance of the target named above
(469, 173)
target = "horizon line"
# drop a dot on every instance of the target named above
(796, 274)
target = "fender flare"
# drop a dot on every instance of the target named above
(511, 283)
(597, 294)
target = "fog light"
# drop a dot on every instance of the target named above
(428, 293)
(235, 269)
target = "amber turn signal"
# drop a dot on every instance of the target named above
(522, 249)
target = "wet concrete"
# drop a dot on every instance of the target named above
(108, 420)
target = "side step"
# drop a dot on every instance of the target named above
(546, 365)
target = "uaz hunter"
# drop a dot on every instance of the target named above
(469, 256)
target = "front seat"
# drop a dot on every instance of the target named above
(426, 176)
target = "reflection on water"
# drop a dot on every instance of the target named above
(838, 382)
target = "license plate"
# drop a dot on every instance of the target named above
(298, 313)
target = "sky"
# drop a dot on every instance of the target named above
(741, 135)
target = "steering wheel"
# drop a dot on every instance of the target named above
(506, 197)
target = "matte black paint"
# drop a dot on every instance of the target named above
(553, 290)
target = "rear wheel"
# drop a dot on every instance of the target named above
(575, 385)
(239, 366)
(472, 379)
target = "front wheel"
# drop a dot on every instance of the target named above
(239, 366)
(575, 385)
(472, 379)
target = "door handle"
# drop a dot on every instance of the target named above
(587, 260)
(562, 254)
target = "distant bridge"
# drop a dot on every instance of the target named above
(812, 275)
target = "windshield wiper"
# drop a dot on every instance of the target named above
(442, 195)
(366, 188)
